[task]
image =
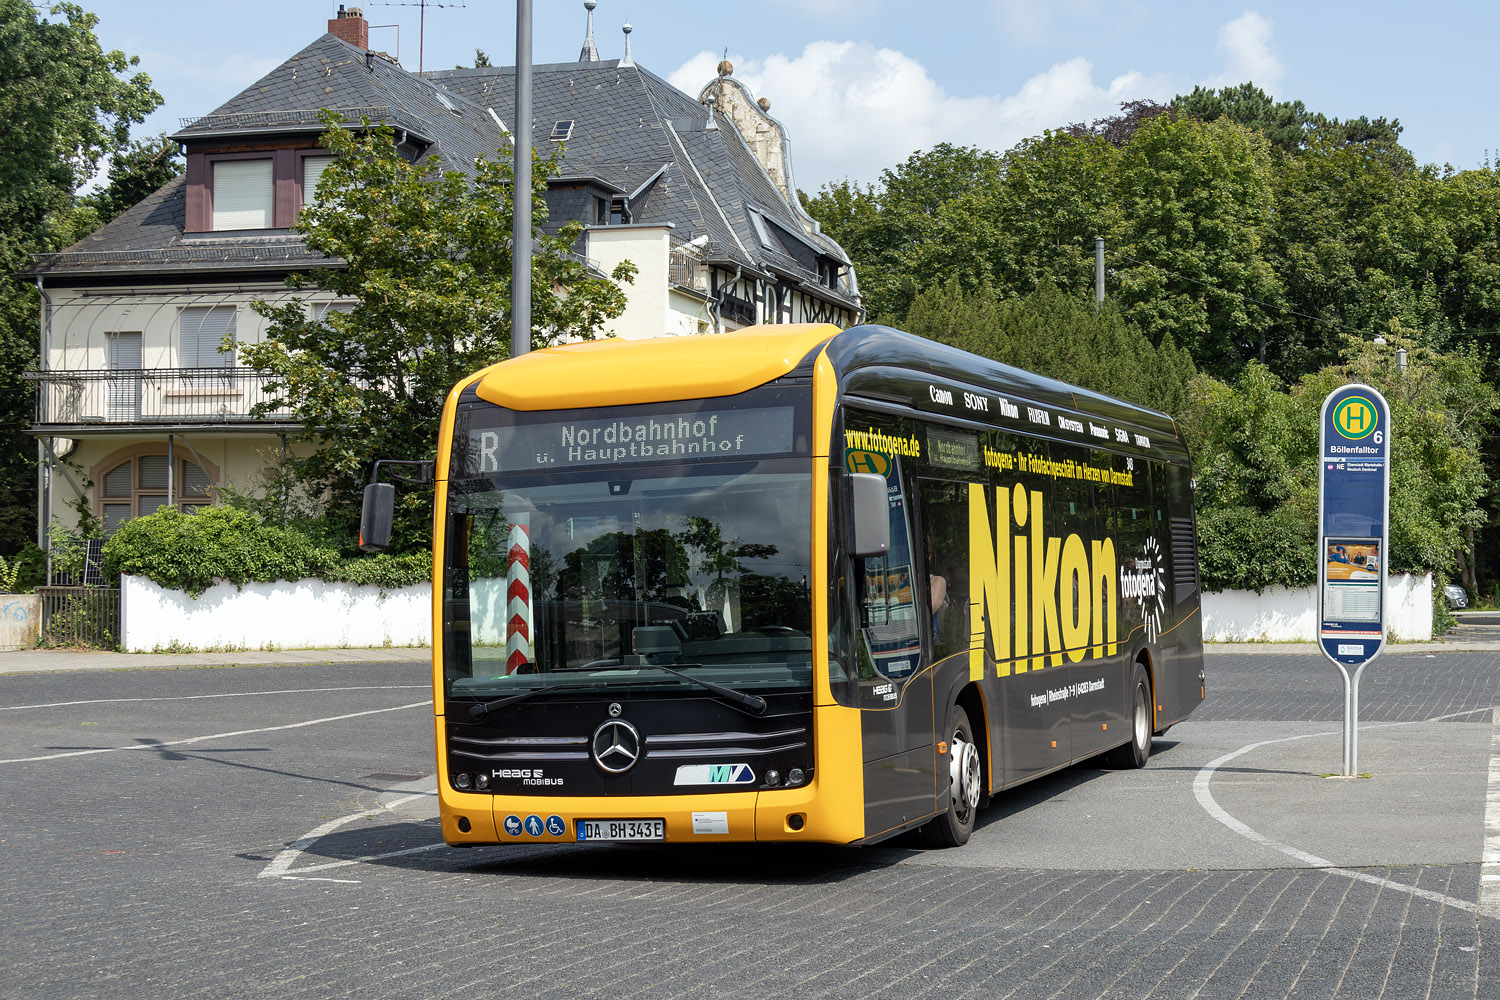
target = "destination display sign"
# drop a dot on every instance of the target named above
(593, 441)
(1353, 530)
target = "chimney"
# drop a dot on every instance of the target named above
(351, 26)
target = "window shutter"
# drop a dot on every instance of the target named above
(153, 474)
(195, 482)
(312, 172)
(115, 514)
(117, 481)
(201, 330)
(243, 194)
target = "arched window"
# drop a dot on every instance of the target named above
(138, 485)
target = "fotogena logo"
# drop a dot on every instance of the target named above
(1355, 418)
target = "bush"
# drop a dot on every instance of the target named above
(1241, 548)
(191, 552)
(23, 572)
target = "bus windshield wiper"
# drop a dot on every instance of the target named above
(751, 702)
(486, 707)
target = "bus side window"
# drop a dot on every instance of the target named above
(890, 649)
(945, 563)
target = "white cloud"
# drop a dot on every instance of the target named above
(1246, 45)
(852, 109)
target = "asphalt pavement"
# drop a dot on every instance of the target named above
(266, 830)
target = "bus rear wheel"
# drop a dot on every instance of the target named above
(1135, 753)
(965, 784)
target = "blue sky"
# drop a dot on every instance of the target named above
(862, 84)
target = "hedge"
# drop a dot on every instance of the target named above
(192, 552)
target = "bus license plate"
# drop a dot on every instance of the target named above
(622, 829)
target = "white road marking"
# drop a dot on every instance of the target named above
(281, 865)
(234, 694)
(1489, 868)
(1206, 800)
(212, 736)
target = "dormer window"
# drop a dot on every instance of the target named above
(244, 195)
(237, 192)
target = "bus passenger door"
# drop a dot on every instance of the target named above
(895, 691)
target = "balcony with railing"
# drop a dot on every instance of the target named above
(152, 397)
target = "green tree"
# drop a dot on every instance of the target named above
(134, 172)
(930, 219)
(65, 104)
(1197, 203)
(1058, 196)
(426, 265)
(1285, 124)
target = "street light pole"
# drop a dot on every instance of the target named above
(520, 228)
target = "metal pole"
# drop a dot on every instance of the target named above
(1098, 272)
(1349, 715)
(520, 230)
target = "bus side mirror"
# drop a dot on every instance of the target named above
(376, 516)
(869, 515)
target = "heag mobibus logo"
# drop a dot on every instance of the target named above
(526, 775)
(1144, 580)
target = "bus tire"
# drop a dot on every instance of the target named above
(1135, 753)
(966, 784)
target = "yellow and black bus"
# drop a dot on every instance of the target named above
(795, 583)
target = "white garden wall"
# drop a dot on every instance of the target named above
(312, 614)
(1280, 614)
(305, 614)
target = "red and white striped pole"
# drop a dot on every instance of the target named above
(518, 614)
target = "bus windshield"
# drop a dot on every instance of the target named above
(594, 582)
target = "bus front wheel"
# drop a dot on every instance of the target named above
(965, 783)
(1135, 753)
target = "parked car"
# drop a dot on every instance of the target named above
(1457, 596)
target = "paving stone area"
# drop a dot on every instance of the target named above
(1395, 687)
(140, 872)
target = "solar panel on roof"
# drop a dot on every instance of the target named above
(562, 130)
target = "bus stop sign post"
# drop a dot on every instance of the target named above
(1354, 500)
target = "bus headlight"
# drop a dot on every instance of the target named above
(461, 779)
(481, 781)
(773, 777)
(794, 776)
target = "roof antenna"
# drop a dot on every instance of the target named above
(627, 61)
(589, 52)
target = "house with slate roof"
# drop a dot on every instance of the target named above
(137, 404)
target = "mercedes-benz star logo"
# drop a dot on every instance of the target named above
(616, 746)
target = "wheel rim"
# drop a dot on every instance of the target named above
(964, 775)
(1142, 717)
